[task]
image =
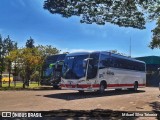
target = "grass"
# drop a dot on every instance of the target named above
(19, 85)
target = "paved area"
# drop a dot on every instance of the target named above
(146, 99)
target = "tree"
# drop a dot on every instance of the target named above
(47, 50)
(27, 59)
(127, 13)
(30, 43)
(155, 43)
(2, 57)
(9, 46)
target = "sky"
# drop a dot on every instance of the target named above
(21, 19)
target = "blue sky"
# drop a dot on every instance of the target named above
(24, 18)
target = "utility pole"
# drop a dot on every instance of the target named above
(130, 47)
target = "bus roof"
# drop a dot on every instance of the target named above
(112, 54)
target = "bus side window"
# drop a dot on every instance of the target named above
(104, 61)
(93, 66)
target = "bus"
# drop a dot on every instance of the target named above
(98, 71)
(51, 75)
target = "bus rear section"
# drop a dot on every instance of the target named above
(98, 71)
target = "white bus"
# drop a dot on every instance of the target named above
(97, 71)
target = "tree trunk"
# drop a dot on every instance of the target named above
(23, 82)
(39, 77)
(9, 70)
(1, 79)
(27, 77)
(15, 79)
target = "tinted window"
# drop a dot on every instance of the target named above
(104, 61)
(126, 64)
(93, 65)
(73, 67)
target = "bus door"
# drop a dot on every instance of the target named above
(92, 68)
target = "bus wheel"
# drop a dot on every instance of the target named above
(135, 86)
(102, 88)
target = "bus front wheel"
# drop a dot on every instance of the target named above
(102, 88)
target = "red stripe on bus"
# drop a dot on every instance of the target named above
(123, 85)
(97, 85)
(119, 85)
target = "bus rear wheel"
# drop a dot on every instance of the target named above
(102, 88)
(135, 86)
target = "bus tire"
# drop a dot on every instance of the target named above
(102, 87)
(135, 86)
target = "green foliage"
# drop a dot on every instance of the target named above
(35, 76)
(2, 55)
(28, 61)
(155, 43)
(30, 43)
(9, 45)
(127, 13)
(47, 50)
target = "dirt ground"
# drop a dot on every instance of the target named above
(146, 99)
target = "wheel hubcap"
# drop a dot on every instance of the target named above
(102, 88)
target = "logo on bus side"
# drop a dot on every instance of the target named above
(110, 72)
(100, 75)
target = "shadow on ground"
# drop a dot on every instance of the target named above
(76, 95)
(89, 114)
(156, 108)
(66, 114)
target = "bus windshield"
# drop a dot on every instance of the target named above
(73, 67)
(49, 64)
